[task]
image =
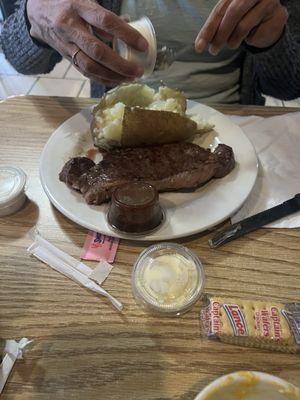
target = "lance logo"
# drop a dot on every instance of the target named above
(236, 319)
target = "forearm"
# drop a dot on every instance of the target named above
(23, 53)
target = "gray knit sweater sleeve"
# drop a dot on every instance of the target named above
(277, 70)
(25, 54)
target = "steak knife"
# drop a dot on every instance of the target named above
(256, 221)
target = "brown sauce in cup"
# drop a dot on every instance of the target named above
(135, 208)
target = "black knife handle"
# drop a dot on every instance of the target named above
(273, 214)
(256, 221)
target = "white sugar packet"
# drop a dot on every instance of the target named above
(70, 267)
(277, 143)
(13, 350)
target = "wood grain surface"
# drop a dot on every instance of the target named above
(82, 348)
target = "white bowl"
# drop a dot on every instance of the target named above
(249, 385)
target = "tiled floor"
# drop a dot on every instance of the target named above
(64, 80)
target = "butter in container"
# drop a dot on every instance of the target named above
(167, 278)
(12, 189)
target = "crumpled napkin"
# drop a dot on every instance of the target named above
(277, 143)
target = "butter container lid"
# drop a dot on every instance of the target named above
(148, 58)
(12, 189)
(168, 278)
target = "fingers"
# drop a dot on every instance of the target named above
(246, 26)
(89, 67)
(101, 18)
(275, 25)
(233, 22)
(101, 53)
(125, 17)
(93, 70)
(211, 25)
(259, 22)
(102, 35)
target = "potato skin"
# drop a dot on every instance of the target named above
(143, 127)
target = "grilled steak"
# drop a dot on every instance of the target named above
(73, 169)
(169, 167)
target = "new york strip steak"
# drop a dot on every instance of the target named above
(168, 167)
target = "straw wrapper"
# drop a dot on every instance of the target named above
(13, 350)
(68, 266)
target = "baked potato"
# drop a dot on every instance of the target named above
(135, 115)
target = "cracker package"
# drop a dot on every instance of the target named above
(263, 324)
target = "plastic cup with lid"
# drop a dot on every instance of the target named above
(12, 189)
(146, 59)
(168, 279)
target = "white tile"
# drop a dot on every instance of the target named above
(56, 87)
(271, 101)
(5, 67)
(86, 90)
(73, 73)
(59, 70)
(292, 103)
(17, 85)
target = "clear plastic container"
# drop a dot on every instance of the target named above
(167, 278)
(12, 189)
(135, 209)
(146, 59)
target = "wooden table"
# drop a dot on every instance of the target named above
(83, 349)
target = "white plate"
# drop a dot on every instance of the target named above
(186, 213)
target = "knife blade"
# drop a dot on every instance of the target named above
(259, 220)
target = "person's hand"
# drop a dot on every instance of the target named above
(259, 23)
(76, 27)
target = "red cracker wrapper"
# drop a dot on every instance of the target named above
(99, 247)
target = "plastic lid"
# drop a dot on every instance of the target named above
(135, 209)
(12, 184)
(136, 195)
(148, 58)
(168, 278)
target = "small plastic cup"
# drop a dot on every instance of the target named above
(135, 209)
(168, 279)
(146, 59)
(12, 189)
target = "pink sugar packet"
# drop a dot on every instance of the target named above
(99, 247)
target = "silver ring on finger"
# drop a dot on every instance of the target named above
(74, 61)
